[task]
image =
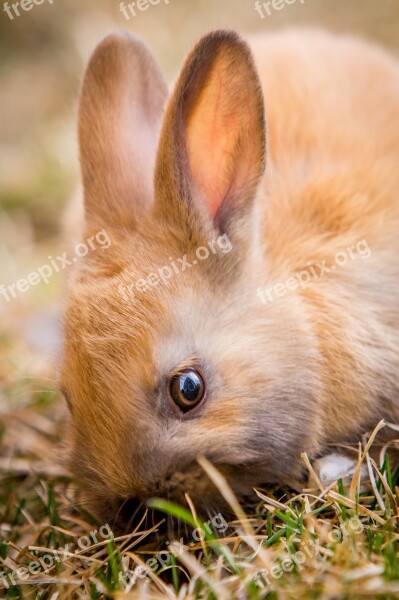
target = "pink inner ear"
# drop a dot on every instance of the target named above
(223, 116)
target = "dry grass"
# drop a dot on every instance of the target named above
(322, 543)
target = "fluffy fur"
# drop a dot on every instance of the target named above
(313, 369)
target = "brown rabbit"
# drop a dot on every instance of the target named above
(271, 346)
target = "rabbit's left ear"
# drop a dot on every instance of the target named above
(120, 115)
(212, 149)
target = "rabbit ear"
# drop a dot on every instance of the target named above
(212, 148)
(119, 121)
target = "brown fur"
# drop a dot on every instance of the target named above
(318, 367)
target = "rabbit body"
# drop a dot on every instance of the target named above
(291, 156)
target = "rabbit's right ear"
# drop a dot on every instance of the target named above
(120, 115)
(212, 150)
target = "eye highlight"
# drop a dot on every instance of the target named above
(187, 389)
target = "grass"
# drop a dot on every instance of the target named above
(322, 543)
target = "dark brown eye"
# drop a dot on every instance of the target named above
(187, 389)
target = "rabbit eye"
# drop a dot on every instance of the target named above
(187, 389)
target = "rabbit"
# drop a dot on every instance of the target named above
(286, 147)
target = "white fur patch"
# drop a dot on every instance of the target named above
(336, 466)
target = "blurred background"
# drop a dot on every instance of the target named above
(43, 54)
